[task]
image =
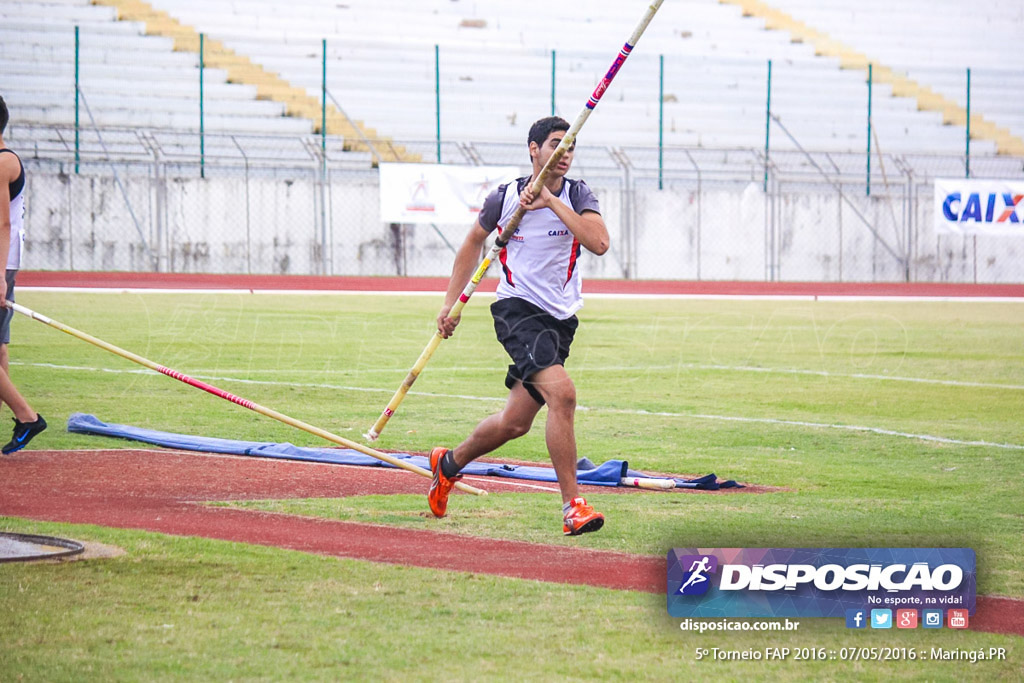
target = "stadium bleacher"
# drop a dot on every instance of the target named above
(938, 42)
(496, 67)
(128, 78)
(934, 43)
(495, 64)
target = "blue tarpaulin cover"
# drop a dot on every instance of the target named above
(608, 473)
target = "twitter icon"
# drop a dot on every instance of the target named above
(881, 618)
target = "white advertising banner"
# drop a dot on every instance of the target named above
(979, 207)
(435, 193)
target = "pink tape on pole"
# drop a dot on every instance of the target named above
(209, 388)
(607, 80)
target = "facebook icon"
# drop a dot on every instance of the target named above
(856, 618)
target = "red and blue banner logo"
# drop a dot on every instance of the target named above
(979, 207)
(817, 582)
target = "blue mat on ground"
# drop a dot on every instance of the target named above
(608, 473)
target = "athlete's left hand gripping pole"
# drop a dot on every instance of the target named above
(245, 403)
(513, 223)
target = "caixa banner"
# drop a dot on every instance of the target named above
(979, 207)
(816, 582)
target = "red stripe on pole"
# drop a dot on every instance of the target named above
(209, 388)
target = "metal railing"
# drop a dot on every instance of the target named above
(287, 204)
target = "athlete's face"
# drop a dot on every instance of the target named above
(542, 153)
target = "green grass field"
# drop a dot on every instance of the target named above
(887, 424)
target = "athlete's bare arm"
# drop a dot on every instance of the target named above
(466, 261)
(9, 171)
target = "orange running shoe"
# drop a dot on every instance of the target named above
(581, 518)
(441, 486)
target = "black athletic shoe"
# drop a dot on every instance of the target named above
(23, 433)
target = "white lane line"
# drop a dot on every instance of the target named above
(854, 375)
(734, 368)
(620, 411)
(608, 368)
(814, 425)
(503, 480)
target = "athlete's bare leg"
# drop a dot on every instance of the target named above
(512, 422)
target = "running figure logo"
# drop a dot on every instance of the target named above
(695, 580)
(419, 196)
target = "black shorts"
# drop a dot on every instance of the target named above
(533, 338)
(7, 313)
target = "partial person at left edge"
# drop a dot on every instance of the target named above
(27, 422)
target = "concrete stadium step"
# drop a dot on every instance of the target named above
(850, 57)
(63, 85)
(190, 121)
(239, 68)
(105, 101)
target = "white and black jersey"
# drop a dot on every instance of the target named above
(539, 264)
(17, 194)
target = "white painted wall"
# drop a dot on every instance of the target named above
(226, 224)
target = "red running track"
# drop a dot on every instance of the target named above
(158, 491)
(120, 280)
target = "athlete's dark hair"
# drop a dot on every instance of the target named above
(541, 129)
(4, 116)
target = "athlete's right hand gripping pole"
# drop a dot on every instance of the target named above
(513, 223)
